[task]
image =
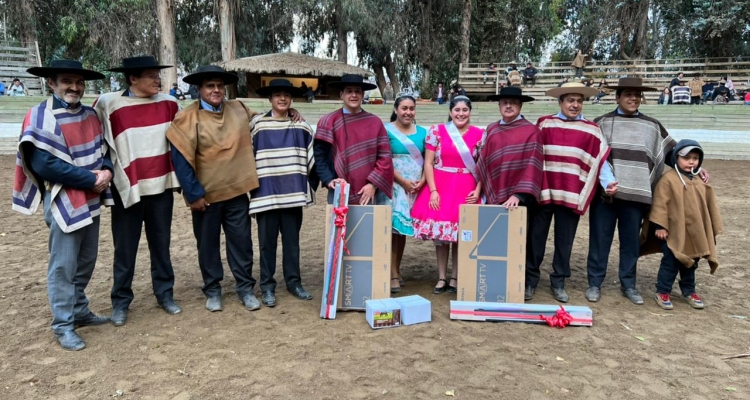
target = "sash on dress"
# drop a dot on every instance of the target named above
(416, 155)
(463, 149)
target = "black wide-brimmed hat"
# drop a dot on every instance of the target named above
(138, 63)
(511, 92)
(634, 83)
(352, 80)
(210, 72)
(280, 85)
(65, 67)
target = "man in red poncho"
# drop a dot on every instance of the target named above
(352, 145)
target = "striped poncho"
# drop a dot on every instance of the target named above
(361, 151)
(74, 136)
(639, 145)
(511, 161)
(574, 152)
(284, 161)
(135, 130)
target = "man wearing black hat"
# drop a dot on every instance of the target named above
(286, 187)
(64, 164)
(638, 146)
(352, 145)
(135, 123)
(213, 157)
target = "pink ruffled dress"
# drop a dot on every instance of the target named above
(453, 182)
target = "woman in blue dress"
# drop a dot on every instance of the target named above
(407, 145)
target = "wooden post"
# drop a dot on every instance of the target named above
(39, 64)
(228, 41)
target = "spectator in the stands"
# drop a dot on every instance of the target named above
(529, 75)
(665, 97)
(603, 91)
(579, 62)
(511, 67)
(730, 86)
(747, 98)
(721, 94)
(2, 88)
(708, 91)
(17, 89)
(564, 81)
(490, 71)
(676, 80)
(681, 93)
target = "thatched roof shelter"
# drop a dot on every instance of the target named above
(292, 64)
(298, 68)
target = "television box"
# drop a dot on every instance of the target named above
(383, 313)
(414, 309)
(491, 253)
(366, 267)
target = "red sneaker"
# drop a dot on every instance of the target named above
(662, 299)
(695, 301)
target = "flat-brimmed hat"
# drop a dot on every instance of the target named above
(210, 72)
(572, 88)
(280, 85)
(633, 84)
(65, 67)
(352, 80)
(511, 92)
(138, 63)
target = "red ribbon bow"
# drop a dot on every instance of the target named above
(340, 221)
(560, 319)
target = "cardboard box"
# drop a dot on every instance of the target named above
(491, 254)
(414, 309)
(366, 268)
(384, 313)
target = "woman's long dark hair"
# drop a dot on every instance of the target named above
(397, 103)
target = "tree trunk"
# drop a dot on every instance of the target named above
(379, 76)
(641, 32)
(465, 32)
(425, 91)
(226, 34)
(27, 24)
(390, 68)
(342, 44)
(165, 17)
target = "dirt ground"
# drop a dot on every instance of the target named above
(288, 352)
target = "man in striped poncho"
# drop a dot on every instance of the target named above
(574, 153)
(285, 164)
(63, 163)
(639, 144)
(135, 125)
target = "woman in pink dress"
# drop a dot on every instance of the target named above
(450, 170)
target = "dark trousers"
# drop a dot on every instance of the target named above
(232, 216)
(668, 270)
(566, 224)
(155, 212)
(695, 100)
(288, 222)
(603, 217)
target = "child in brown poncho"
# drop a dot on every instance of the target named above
(683, 223)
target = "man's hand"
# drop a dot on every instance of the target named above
(368, 194)
(704, 175)
(332, 184)
(102, 180)
(296, 116)
(511, 203)
(611, 188)
(662, 234)
(199, 205)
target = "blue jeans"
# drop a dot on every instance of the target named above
(440, 100)
(72, 257)
(668, 270)
(627, 216)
